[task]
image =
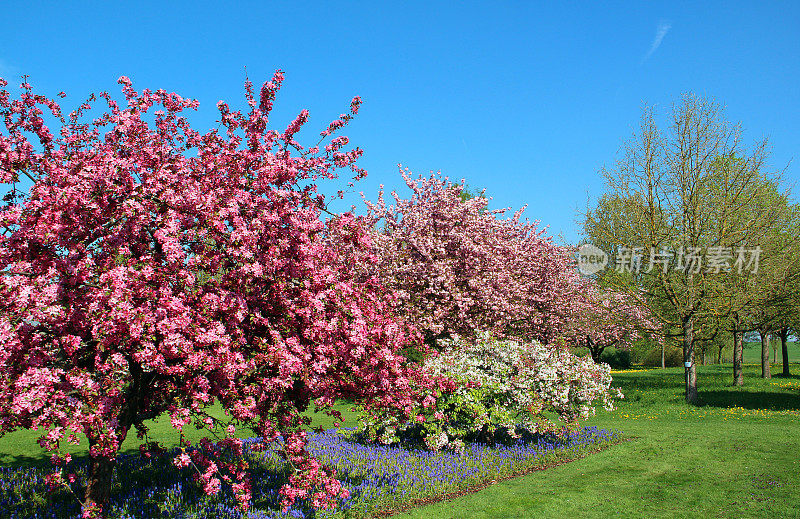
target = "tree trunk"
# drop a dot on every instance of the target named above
(738, 356)
(101, 469)
(594, 349)
(663, 354)
(98, 489)
(688, 360)
(719, 354)
(764, 356)
(785, 350)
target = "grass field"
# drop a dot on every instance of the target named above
(738, 455)
(752, 353)
(20, 447)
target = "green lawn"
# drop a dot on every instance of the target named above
(20, 447)
(736, 456)
(752, 353)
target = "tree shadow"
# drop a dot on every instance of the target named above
(142, 487)
(19, 460)
(786, 377)
(772, 401)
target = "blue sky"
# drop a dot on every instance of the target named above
(525, 99)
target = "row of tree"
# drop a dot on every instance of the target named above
(152, 269)
(460, 269)
(702, 232)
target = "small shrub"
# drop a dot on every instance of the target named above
(642, 347)
(496, 388)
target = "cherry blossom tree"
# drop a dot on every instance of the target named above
(151, 268)
(608, 318)
(459, 268)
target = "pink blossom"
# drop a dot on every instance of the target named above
(458, 267)
(182, 460)
(212, 486)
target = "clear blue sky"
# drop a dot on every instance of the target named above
(525, 99)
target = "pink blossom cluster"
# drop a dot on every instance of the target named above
(458, 267)
(311, 479)
(218, 462)
(609, 318)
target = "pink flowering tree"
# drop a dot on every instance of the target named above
(607, 318)
(459, 268)
(151, 268)
(549, 289)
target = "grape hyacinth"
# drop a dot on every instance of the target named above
(378, 477)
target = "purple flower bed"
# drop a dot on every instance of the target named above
(378, 477)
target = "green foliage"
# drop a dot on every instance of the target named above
(617, 359)
(472, 414)
(673, 357)
(468, 193)
(413, 353)
(641, 348)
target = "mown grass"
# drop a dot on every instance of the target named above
(21, 448)
(752, 354)
(736, 455)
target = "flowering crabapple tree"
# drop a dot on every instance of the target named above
(458, 268)
(151, 268)
(549, 289)
(608, 318)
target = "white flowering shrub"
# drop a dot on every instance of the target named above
(497, 388)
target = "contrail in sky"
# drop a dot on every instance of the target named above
(663, 29)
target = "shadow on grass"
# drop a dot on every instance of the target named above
(786, 377)
(18, 460)
(43, 459)
(751, 400)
